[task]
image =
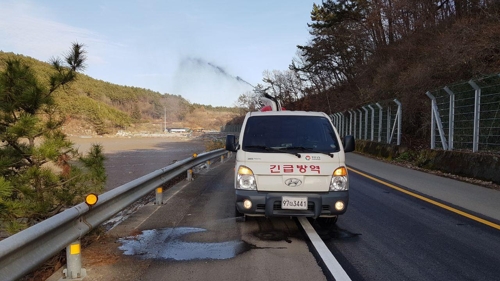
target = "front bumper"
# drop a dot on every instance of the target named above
(269, 203)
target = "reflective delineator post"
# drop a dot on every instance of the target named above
(208, 164)
(159, 196)
(74, 270)
(222, 158)
(190, 174)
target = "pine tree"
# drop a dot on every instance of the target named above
(41, 173)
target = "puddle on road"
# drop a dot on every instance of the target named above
(168, 244)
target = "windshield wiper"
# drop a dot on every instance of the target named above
(309, 149)
(267, 148)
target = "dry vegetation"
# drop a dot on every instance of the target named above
(367, 51)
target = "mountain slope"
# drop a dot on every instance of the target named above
(96, 106)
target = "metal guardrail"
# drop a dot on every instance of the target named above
(380, 122)
(25, 251)
(466, 116)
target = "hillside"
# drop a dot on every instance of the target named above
(94, 106)
(363, 52)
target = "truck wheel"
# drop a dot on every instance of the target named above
(240, 217)
(327, 223)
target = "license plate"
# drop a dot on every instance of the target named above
(294, 203)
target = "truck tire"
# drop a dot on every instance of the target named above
(240, 217)
(327, 223)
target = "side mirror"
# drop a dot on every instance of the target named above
(231, 144)
(349, 144)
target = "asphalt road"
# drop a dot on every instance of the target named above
(195, 236)
(387, 235)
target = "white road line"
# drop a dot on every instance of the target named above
(331, 263)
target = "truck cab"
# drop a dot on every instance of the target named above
(290, 164)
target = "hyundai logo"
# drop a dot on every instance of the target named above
(293, 182)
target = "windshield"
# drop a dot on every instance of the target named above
(306, 134)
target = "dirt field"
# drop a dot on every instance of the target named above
(131, 158)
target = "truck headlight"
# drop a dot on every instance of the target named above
(339, 181)
(245, 179)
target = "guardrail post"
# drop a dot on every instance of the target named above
(366, 122)
(389, 140)
(342, 124)
(350, 122)
(399, 116)
(339, 124)
(159, 196)
(372, 123)
(436, 120)
(360, 124)
(355, 120)
(74, 270)
(477, 115)
(342, 130)
(380, 116)
(190, 174)
(451, 126)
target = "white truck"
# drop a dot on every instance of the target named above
(290, 163)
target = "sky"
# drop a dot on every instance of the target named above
(192, 48)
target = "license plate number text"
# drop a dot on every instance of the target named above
(294, 203)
